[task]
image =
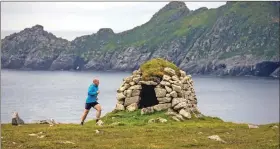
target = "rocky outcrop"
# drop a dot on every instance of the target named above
(181, 106)
(31, 48)
(230, 40)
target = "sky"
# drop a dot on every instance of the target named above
(83, 16)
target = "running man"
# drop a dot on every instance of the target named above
(91, 101)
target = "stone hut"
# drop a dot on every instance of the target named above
(171, 90)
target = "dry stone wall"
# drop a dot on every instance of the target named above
(174, 93)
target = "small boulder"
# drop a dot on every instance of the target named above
(131, 100)
(173, 94)
(169, 71)
(166, 77)
(120, 96)
(175, 78)
(135, 87)
(131, 83)
(161, 120)
(164, 99)
(165, 83)
(176, 88)
(176, 101)
(135, 93)
(97, 131)
(119, 107)
(182, 73)
(252, 126)
(132, 107)
(216, 138)
(168, 89)
(147, 110)
(148, 82)
(275, 127)
(180, 106)
(185, 114)
(160, 107)
(160, 92)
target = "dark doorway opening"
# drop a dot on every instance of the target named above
(148, 96)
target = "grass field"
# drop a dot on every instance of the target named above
(134, 132)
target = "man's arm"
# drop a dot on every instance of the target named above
(92, 91)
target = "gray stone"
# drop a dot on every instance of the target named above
(132, 107)
(169, 71)
(171, 112)
(182, 73)
(185, 114)
(131, 83)
(148, 82)
(128, 93)
(180, 106)
(216, 138)
(187, 93)
(165, 83)
(160, 107)
(124, 87)
(160, 92)
(168, 89)
(186, 79)
(131, 100)
(178, 83)
(176, 101)
(175, 78)
(119, 107)
(176, 88)
(185, 86)
(252, 126)
(173, 94)
(120, 96)
(147, 110)
(161, 120)
(136, 79)
(135, 87)
(164, 99)
(128, 79)
(166, 77)
(180, 94)
(135, 93)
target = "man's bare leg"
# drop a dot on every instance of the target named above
(98, 111)
(84, 116)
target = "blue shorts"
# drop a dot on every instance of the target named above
(89, 105)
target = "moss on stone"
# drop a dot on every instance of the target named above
(155, 68)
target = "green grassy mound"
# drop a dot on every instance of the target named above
(134, 132)
(154, 68)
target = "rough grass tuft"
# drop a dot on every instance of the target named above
(154, 68)
(134, 132)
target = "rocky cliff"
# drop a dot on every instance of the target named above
(239, 38)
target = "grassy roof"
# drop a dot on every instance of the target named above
(154, 68)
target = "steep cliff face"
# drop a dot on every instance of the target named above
(239, 38)
(32, 48)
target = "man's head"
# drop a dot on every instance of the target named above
(96, 82)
